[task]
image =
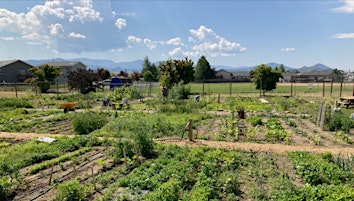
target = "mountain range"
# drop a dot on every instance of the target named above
(136, 65)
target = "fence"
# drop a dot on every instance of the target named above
(146, 89)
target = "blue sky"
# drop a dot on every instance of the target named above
(234, 33)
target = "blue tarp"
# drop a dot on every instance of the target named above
(115, 82)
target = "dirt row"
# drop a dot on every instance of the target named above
(249, 146)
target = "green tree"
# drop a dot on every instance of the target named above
(82, 80)
(265, 78)
(103, 73)
(149, 77)
(203, 70)
(173, 72)
(148, 66)
(281, 68)
(45, 75)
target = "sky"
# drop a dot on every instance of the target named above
(235, 33)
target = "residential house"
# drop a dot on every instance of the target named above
(311, 76)
(226, 76)
(66, 67)
(12, 71)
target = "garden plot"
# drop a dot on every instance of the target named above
(262, 162)
(83, 167)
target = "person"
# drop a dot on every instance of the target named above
(164, 92)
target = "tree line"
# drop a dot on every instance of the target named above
(168, 73)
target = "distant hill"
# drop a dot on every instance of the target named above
(136, 65)
(248, 68)
(97, 63)
(314, 68)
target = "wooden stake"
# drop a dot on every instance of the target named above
(51, 174)
(190, 129)
(93, 178)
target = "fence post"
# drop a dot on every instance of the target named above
(16, 89)
(190, 129)
(341, 86)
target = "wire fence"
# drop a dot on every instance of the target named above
(147, 89)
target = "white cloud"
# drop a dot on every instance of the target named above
(55, 29)
(343, 35)
(121, 23)
(177, 52)
(209, 43)
(135, 39)
(76, 35)
(175, 41)
(45, 24)
(8, 38)
(139, 41)
(348, 7)
(288, 49)
(149, 43)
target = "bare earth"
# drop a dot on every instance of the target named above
(257, 147)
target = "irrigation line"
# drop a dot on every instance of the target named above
(94, 152)
(63, 178)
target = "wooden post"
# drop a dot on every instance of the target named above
(353, 87)
(323, 115)
(219, 98)
(203, 86)
(190, 129)
(93, 177)
(16, 89)
(331, 87)
(291, 88)
(323, 88)
(51, 174)
(341, 86)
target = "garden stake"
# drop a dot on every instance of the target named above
(51, 174)
(93, 178)
(190, 129)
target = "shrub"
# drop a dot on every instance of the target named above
(254, 120)
(86, 122)
(144, 144)
(70, 191)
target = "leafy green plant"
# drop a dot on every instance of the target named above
(86, 122)
(254, 120)
(70, 191)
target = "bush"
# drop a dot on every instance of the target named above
(86, 122)
(70, 191)
(144, 144)
(255, 120)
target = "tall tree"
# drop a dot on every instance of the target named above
(203, 70)
(173, 72)
(103, 73)
(148, 66)
(45, 76)
(265, 78)
(82, 80)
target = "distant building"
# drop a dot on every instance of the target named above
(14, 71)
(226, 76)
(66, 67)
(318, 76)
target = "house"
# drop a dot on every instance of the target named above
(14, 71)
(226, 76)
(318, 76)
(66, 67)
(312, 76)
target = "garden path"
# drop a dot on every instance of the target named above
(257, 147)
